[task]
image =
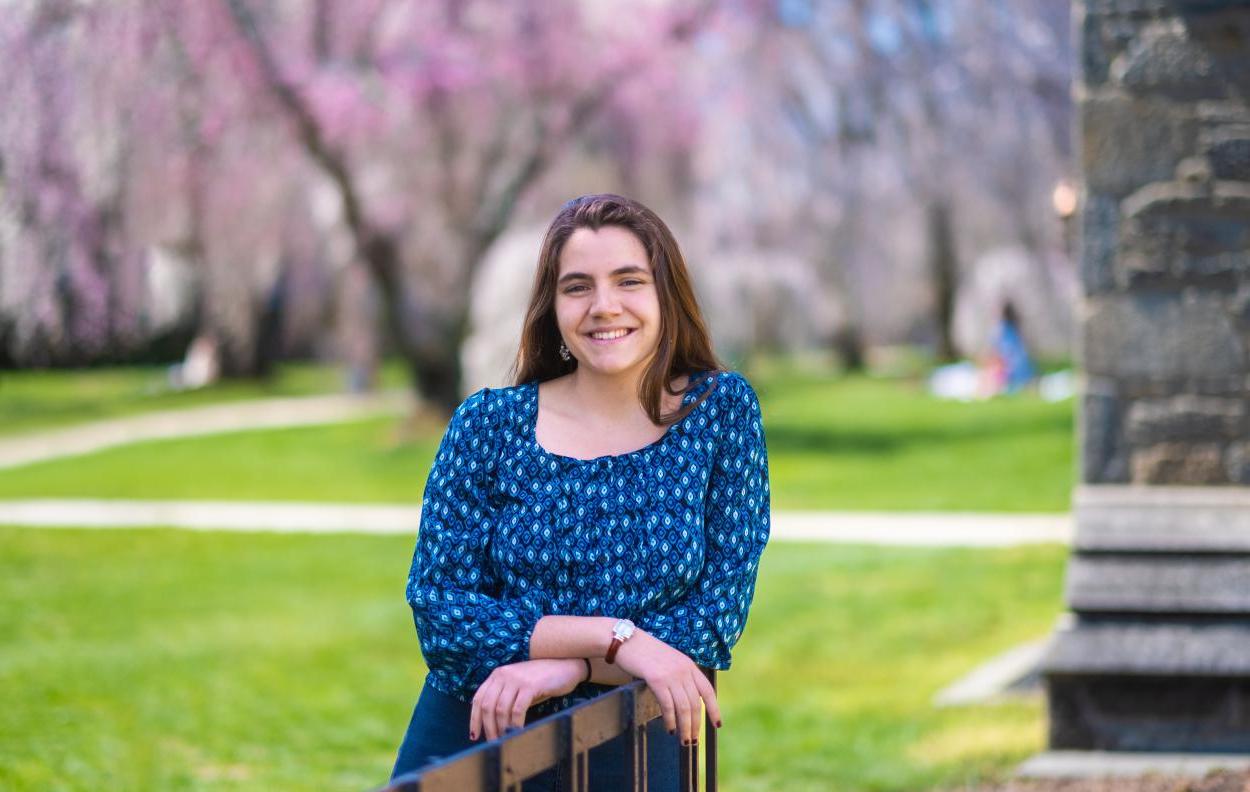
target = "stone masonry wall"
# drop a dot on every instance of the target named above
(1155, 655)
(1165, 143)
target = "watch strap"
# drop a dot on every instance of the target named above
(610, 657)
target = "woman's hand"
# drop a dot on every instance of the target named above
(510, 690)
(675, 680)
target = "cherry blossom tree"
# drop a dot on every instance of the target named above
(887, 131)
(410, 133)
(281, 159)
(63, 195)
(431, 121)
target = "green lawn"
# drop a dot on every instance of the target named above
(44, 399)
(176, 660)
(865, 443)
(834, 443)
(357, 462)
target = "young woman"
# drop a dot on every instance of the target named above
(601, 520)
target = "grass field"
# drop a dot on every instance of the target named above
(834, 443)
(865, 443)
(171, 660)
(31, 400)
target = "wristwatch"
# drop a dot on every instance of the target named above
(621, 632)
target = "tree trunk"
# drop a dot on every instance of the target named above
(944, 269)
(848, 338)
(429, 347)
(436, 373)
(841, 261)
(270, 325)
(848, 345)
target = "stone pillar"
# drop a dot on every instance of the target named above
(1156, 654)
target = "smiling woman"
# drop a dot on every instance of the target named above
(599, 521)
(606, 302)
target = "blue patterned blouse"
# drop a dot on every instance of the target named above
(668, 535)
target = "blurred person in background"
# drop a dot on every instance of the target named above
(599, 521)
(1012, 365)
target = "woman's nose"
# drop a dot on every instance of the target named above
(606, 302)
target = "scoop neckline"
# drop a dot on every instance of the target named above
(532, 428)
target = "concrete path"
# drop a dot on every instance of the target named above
(971, 529)
(908, 529)
(1014, 672)
(212, 419)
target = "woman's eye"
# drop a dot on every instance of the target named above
(631, 282)
(576, 288)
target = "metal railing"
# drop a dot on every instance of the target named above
(564, 740)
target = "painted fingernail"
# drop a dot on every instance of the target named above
(718, 724)
(472, 735)
(672, 731)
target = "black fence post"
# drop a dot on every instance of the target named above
(709, 729)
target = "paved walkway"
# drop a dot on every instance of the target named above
(910, 529)
(212, 419)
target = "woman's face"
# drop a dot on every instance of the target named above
(607, 306)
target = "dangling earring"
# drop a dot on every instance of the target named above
(565, 354)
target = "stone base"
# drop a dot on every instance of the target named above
(1156, 654)
(1145, 713)
(1096, 764)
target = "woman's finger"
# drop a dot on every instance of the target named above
(709, 698)
(694, 710)
(681, 706)
(501, 713)
(477, 715)
(667, 708)
(488, 713)
(524, 697)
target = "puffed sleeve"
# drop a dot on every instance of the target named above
(707, 622)
(465, 628)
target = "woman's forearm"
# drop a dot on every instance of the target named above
(605, 674)
(571, 636)
(579, 636)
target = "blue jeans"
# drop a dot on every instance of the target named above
(440, 728)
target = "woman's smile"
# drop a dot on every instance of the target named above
(609, 337)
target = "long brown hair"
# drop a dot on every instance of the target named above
(684, 345)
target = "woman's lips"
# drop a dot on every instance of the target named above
(609, 341)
